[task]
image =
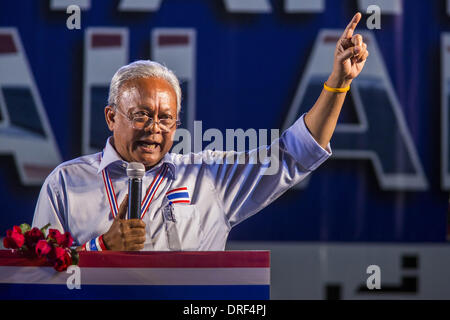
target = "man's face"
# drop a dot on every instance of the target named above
(155, 97)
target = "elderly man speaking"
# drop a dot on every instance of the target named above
(187, 205)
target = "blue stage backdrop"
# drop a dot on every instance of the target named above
(244, 64)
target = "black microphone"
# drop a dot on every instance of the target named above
(135, 172)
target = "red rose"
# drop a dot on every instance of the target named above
(14, 238)
(55, 253)
(65, 240)
(32, 237)
(63, 261)
(54, 234)
(43, 248)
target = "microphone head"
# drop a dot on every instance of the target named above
(135, 170)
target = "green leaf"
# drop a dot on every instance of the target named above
(25, 227)
(75, 257)
(44, 228)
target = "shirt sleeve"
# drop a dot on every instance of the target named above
(50, 206)
(246, 187)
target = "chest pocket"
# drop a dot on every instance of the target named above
(182, 224)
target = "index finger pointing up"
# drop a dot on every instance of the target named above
(348, 32)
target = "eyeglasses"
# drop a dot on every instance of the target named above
(142, 119)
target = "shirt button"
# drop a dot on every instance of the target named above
(124, 165)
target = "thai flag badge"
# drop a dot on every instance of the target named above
(179, 195)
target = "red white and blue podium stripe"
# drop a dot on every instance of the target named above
(204, 275)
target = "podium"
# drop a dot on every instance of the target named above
(162, 275)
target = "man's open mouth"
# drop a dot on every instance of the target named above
(148, 146)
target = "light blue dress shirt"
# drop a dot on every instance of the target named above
(73, 197)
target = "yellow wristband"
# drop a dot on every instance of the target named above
(339, 90)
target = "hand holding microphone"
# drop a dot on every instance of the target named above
(127, 233)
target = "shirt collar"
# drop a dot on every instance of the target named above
(110, 156)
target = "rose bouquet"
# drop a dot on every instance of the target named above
(32, 243)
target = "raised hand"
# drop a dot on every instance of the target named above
(350, 55)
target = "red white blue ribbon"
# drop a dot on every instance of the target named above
(110, 193)
(151, 191)
(95, 244)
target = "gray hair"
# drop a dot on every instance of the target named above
(142, 69)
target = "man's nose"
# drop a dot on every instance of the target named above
(153, 127)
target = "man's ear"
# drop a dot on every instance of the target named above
(110, 117)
